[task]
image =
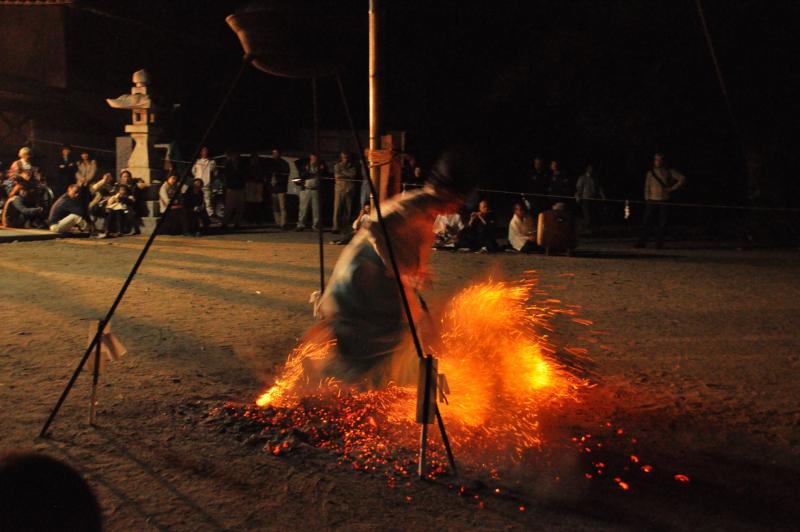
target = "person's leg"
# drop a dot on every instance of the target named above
(347, 215)
(647, 222)
(315, 208)
(276, 213)
(305, 201)
(230, 205)
(337, 207)
(663, 218)
(67, 223)
(282, 208)
(207, 200)
(586, 210)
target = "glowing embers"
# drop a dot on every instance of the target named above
(492, 344)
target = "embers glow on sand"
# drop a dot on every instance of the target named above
(493, 344)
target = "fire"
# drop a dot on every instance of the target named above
(494, 347)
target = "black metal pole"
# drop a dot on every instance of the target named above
(246, 61)
(426, 406)
(395, 269)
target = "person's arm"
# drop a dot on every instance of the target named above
(163, 196)
(20, 206)
(680, 179)
(91, 171)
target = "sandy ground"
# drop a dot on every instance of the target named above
(700, 361)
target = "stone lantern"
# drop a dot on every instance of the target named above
(135, 151)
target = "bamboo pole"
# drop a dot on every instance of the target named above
(374, 94)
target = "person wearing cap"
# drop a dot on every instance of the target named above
(361, 306)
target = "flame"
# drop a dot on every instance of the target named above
(493, 346)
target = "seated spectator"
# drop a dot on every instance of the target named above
(137, 191)
(520, 230)
(172, 210)
(101, 190)
(17, 214)
(363, 216)
(448, 229)
(121, 217)
(40, 493)
(480, 231)
(67, 213)
(194, 209)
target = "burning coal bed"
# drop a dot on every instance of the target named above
(515, 414)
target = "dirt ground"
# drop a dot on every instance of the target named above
(699, 362)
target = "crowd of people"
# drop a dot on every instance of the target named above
(225, 194)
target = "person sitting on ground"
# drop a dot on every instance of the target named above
(67, 213)
(17, 214)
(38, 492)
(121, 217)
(137, 191)
(361, 219)
(194, 209)
(448, 230)
(23, 172)
(520, 230)
(174, 223)
(97, 211)
(480, 231)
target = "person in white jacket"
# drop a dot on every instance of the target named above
(204, 170)
(520, 230)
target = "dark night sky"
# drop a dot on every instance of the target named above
(609, 81)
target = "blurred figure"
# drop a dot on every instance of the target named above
(311, 173)
(17, 214)
(481, 229)
(345, 174)
(68, 213)
(361, 307)
(558, 184)
(194, 210)
(448, 229)
(235, 180)
(97, 210)
(361, 220)
(67, 168)
(587, 191)
(204, 169)
(40, 493)
(137, 190)
(537, 185)
(659, 183)
(120, 212)
(86, 170)
(279, 180)
(520, 230)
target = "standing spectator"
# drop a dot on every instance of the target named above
(194, 210)
(520, 230)
(87, 169)
(254, 209)
(68, 213)
(344, 173)
(587, 192)
(558, 183)
(235, 180)
(16, 213)
(537, 185)
(448, 229)
(311, 172)
(279, 180)
(659, 183)
(67, 168)
(204, 169)
(481, 229)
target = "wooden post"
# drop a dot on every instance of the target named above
(374, 93)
